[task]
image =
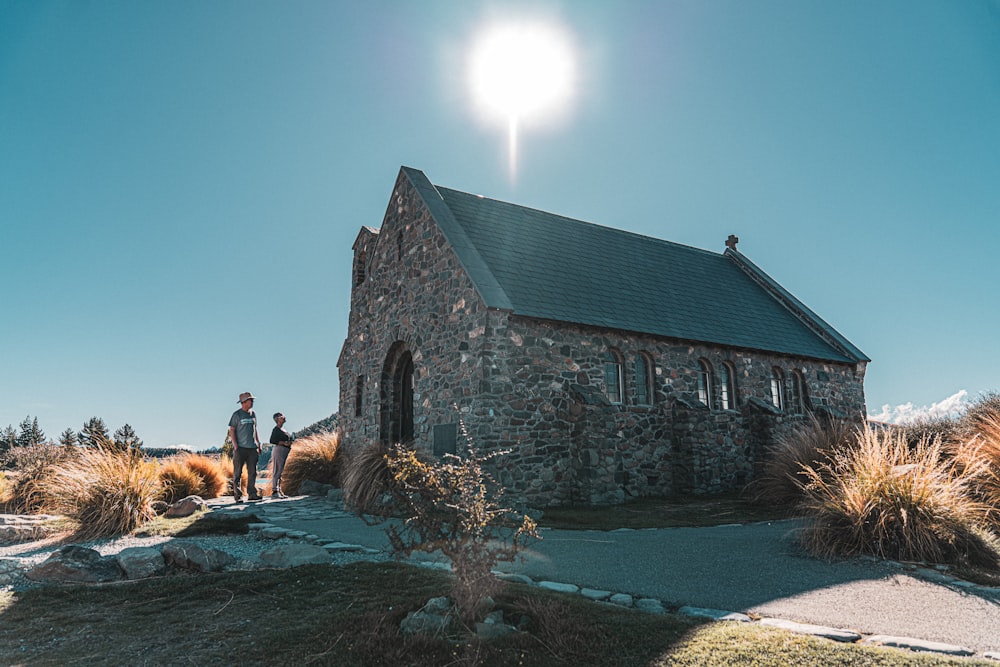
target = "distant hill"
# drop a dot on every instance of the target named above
(327, 425)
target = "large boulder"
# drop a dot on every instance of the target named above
(141, 562)
(73, 563)
(190, 556)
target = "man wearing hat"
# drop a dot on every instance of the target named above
(246, 446)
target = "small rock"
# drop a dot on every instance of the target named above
(516, 578)
(185, 507)
(490, 631)
(714, 614)
(621, 599)
(592, 594)
(650, 606)
(293, 555)
(439, 605)
(917, 645)
(420, 623)
(847, 636)
(559, 587)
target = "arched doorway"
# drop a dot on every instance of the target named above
(396, 409)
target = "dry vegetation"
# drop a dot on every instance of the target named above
(314, 457)
(106, 491)
(926, 492)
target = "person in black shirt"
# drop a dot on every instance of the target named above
(281, 443)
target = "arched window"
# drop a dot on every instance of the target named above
(777, 388)
(643, 379)
(798, 400)
(613, 387)
(359, 267)
(727, 386)
(705, 381)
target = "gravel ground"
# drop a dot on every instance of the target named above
(245, 548)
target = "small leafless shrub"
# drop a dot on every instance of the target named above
(453, 506)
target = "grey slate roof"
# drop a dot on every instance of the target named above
(546, 266)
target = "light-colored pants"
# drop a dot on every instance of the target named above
(278, 455)
(245, 456)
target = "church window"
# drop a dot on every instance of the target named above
(705, 383)
(613, 387)
(359, 268)
(727, 386)
(643, 379)
(797, 401)
(777, 388)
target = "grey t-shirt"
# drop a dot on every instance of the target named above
(245, 423)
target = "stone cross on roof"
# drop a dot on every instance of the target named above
(732, 241)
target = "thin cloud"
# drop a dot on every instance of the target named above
(907, 413)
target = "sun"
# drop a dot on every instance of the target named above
(521, 73)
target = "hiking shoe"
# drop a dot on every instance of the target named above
(253, 498)
(237, 500)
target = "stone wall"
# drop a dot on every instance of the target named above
(537, 388)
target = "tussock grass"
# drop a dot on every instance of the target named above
(366, 478)
(983, 410)
(178, 480)
(27, 468)
(314, 457)
(106, 492)
(887, 498)
(979, 459)
(809, 445)
(192, 474)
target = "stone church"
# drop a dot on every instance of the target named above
(610, 365)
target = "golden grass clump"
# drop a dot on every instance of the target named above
(888, 498)
(808, 445)
(214, 477)
(365, 477)
(314, 457)
(178, 480)
(979, 459)
(5, 489)
(107, 492)
(27, 467)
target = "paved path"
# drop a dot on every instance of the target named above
(753, 568)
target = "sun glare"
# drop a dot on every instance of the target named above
(521, 74)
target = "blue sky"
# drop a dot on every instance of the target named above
(181, 182)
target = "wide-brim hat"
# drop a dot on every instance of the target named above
(246, 396)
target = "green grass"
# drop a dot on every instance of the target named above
(350, 615)
(672, 512)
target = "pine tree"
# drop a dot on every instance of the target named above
(95, 433)
(69, 438)
(8, 439)
(30, 433)
(126, 439)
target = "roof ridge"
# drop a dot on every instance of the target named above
(615, 230)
